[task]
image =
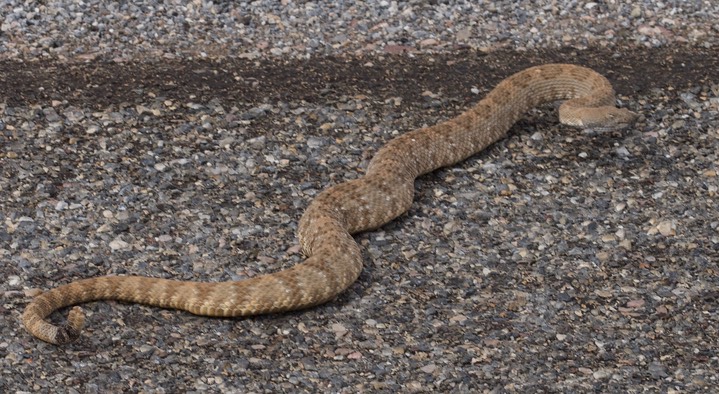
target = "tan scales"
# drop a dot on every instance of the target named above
(386, 191)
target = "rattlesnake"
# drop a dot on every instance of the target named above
(383, 193)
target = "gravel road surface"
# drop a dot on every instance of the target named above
(184, 139)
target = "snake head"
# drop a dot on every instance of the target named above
(618, 119)
(597, 119)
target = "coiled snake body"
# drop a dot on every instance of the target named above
(383, 193)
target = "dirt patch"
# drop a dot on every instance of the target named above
(101, 83)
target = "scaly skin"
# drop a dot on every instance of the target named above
(383, 193)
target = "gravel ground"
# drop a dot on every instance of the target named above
(186, 143)
(126, 31)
